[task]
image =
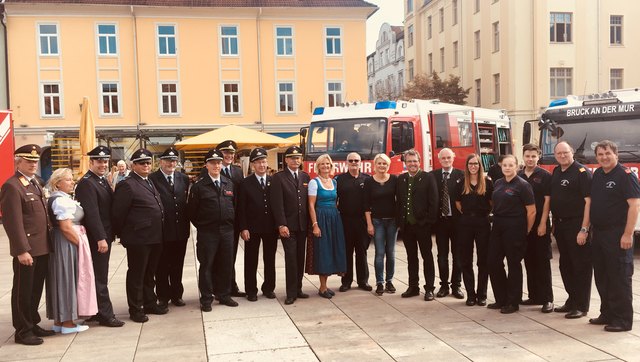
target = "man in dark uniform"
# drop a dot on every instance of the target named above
(538, 254)
(495, 171)
(137, 217)
(351, 206)
(95, 195)
(173, 188)
(256, 224)
(448, 180)
(24, 213)
(211, 208)
(570, 204)
(289, 202)
(417, 201)
(615, 203)
(234, 173)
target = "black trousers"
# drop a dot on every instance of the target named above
(356, 240)
(445, 230)
(508, 239)
(294, 255)
(474, 229)
(236, 240)
(28, 282)
(251, 254)
(101, 273)
(169, 271)
(537, 260)
(215, 254)
(613, 269)
(575, 263)
(415, 236)
(142, 261)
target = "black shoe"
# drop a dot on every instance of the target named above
(331, 292)
(547, 307)
(155, 309)
(111, 322)
(411, 292)
(428, 295)
(457, 293)
(269, 295)
(252, 298)
(508, 309)
(471, 302)
(94, 318)
(178, 302)
(302, 295)
(389, 288)
(205, 307)
(325, 294)
(575, 314)
(530, 302)
(481, 301)
(239, 294)
(379, 289)
(344, 287)
(139, 317)
(289, 301)
(39, 332)
(228, 301)
(29, 340)
(613, 328)
(366, 287)
(163, 303)
(495, 305)
(443, 292)
(564, 309)
(600, 321)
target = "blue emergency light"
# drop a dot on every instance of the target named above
(318, 111)
(386, 105)
(558, 102)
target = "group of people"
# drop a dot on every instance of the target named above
(322, 223)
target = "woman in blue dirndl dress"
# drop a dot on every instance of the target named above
(329, 255)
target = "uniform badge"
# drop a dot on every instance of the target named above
(23, 181)
(228, 193)
(582, 169)
(305, 184)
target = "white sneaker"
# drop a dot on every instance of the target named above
(78, 328)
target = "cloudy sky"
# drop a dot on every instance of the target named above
(391, 11)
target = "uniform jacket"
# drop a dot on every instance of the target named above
(456, 180)
(137, 214)
(24, 217)
(289, 201)
(424, 198)
(95, 199)
(254, 206)
(207, 208)
(174, 202)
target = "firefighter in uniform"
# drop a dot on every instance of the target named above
(615, 201)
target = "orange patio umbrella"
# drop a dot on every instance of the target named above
(87, 135)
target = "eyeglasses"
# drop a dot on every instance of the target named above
(144, 163)
(353, 161)
(473, 164)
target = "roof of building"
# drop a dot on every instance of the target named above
(208, 3)
(399, 30)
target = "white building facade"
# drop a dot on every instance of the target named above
(385, 66)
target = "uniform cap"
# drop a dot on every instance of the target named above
(141, 155)
(227, 145)
(99, 153)
(29, 152)
(293, 151)
(257, 154)
(169, 154)
(213, 154)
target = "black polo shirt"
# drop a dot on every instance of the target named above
(351, 194)
(474, 204)
(609, 195)
(540, 181)
(510, 198)
(568, 190)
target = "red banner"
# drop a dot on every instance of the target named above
(7, 146)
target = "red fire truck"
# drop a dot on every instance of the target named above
(394, 127)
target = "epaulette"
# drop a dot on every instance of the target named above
(24, 181)
(627, 170)
(86, 175)
(582, 169)
(198, 180)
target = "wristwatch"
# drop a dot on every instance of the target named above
(584, 230)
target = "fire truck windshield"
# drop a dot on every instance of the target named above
(584, 135)
(340, 137)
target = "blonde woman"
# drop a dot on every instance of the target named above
(72, 290)
(327, 252)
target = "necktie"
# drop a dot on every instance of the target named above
(216, 183)
(103, 182)
(35, 184)
(295, 177)
(226, 172)
(170, 179)
(149, 183)
(262, 182)
(445, 194)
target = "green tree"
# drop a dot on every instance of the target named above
(432, 87)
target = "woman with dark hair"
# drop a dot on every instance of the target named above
(474, 203)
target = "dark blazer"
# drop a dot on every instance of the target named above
(254, 206)
(24, 217)
(289, 201)
(236, 175)
(424, 198)
(456, 180)
(137, 214)
(208, 208)
(95, 199)
(174, 202)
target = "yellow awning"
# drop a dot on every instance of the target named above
(244, 137)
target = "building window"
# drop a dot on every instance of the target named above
(409, 6)
(441, 60)
(476, 7)
(107, 39)
(496, 88)
(333, 41)
(410, 36)
(615, 30)
(410, 70)
(110, 99)
(285, 96)
(616, 78)
(560, 28)
(169, 98)
(334, 94)
(441, 11)
(229, 37)
(476, 37)
(51, 100)
(430, 60)
(401, 83)
(48, 39)
(496, 36)
(231, 98)
(284, 41)
(560, 82)
(455, 54)
(166, 39)
(429, 27)
(478, 93)
(454, 12)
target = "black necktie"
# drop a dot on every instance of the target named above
(35, 184)
(170, 179)
(445, 194)
(295, 177)
(262, 182)
(216, 183)
(226, 172)
(149, 183)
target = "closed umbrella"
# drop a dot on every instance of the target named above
(87, 135)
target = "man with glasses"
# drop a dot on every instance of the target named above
(351, 206)
(137, 216)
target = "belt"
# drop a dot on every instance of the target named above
(475, 214)
(566, 219)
